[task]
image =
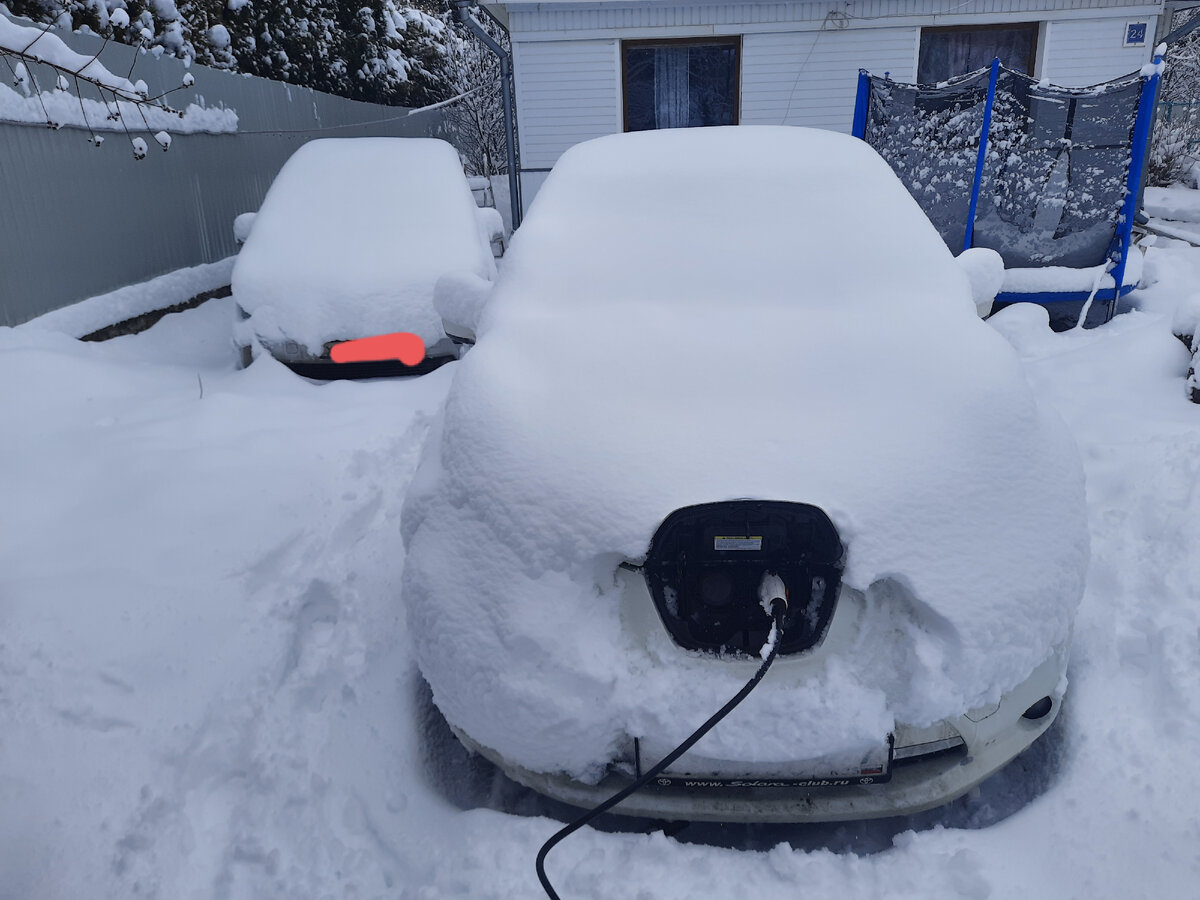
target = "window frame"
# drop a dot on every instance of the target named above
(733, 40)
(1034, 27)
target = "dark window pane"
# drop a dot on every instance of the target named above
(956, 51)
(639, 88)
(713, 80)
(679, 85)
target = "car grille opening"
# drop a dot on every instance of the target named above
(707, 562)
(928, 750)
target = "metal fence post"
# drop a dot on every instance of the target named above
(979, 160)
(859, 128)
(460, 9)
(1133, 181)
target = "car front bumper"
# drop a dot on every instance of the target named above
(297, 358)
(991, 738)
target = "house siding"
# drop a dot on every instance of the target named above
(567, 92)
(811, 77)
(1084, 52)
(551, 19)
(799, 59)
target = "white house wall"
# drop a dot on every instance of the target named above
(555, 20)
(1085, 52)
(567, 92)
(811, 77)
(799, 59)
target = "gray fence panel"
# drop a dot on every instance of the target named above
(78, 220)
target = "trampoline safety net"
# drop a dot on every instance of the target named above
(1054, 173)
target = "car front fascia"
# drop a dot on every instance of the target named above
(1001, 733)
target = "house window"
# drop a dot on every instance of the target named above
(682, 83)
(947, 52)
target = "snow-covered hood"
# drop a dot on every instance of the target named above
(806, 337)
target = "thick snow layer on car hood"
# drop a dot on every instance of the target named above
(698, 316)
(351, 238)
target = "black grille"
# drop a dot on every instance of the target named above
(707, 562)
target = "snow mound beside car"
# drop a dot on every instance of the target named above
(709, 314)
(351, 238)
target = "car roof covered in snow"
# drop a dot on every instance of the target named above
(731, 216)
(701, 315)
(352, 236)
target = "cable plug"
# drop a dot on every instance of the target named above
(772, 592)
(772, 595)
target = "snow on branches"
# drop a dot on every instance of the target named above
(475, 122)
(118, 101)
(378, 51)
(1175, 150)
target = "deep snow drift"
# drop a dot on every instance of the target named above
(207, 691)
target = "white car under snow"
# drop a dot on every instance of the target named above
(713, 356)
(349, 243)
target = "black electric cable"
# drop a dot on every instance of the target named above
(778, 610)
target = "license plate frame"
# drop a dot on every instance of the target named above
(873, 767)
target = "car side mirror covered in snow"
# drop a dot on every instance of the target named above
(491, 229)
(241, 227)
(491, 223)
(984, 268)
(459, 299)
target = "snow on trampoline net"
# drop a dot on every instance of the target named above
(1054, 174)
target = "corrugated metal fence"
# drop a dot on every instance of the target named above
(78, 220)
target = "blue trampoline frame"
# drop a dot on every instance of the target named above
(1119, 253)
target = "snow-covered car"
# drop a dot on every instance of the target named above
(349, 242)
(714, 357)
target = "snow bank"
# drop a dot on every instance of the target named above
(134, 300)
(208, 687)
(170, 652)
(794, 330)
(351, 238)
(1186, 322)
(985, 270)
(1180, 204)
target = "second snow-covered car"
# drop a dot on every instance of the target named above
(718, 360)
(349, 242)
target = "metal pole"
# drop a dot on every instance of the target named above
(979, 160)
(510, 142)
(1137, 162)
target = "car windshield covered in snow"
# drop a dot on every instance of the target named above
(716, 355)
(352, 237)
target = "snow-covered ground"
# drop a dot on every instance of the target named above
(206, 687)
(1174, 211)
(136, 300)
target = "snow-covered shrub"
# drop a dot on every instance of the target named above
(476, 121)
(380, 51)
(1187, 319)
(1175, 148)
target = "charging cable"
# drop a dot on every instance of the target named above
(776, 607)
